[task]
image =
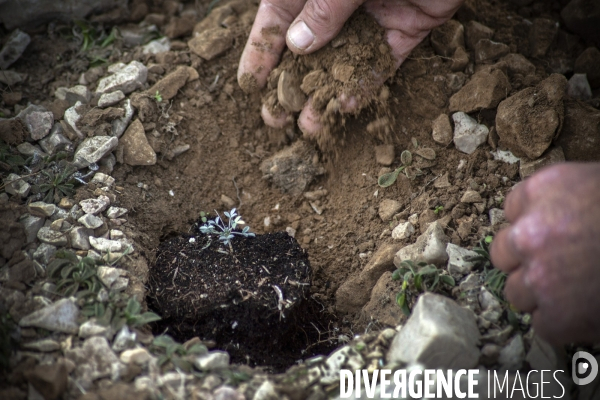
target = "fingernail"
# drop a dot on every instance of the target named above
(301, 36)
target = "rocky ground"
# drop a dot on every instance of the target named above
(117, 132)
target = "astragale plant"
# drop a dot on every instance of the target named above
(226, 232)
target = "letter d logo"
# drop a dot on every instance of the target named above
(584, 363)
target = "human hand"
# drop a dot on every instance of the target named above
(307, 25)
(552, 251)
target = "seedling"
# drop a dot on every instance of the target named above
(158, 97)
(388, 179)
(494, 279)
(416, 279)
(74, 277)
(226, 232)
(438, 210)
(59, 183)
(168, 349)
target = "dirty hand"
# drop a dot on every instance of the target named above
(552, 251)
(307, 25)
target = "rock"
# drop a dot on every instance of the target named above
(90, 221)
(579, 87)
(136, 149)
(95, 206)
(387, 209)
(47, 235)
(139, 356)
(211, 361)
(528, 121)
(460, 60)
(131, 77)
(57, 317)
(447, 38)
(552, 156)
(583, 18)
(16, 186)
(95, 360)
(44, 345)
(505, 156)
(486, 89)
(29, 150)
(514, 64)
(214, 20)
(103, 179)
(10, 78)
(109, 275)
(41, 209)
(385, 154)
(330, 371)
(32, 225)
(382, 306)
(471, 196)
(157, 46)
(293, 168)
(289, 94)
(116, 212)
(442, 130)
(179, 26)
(110, 99)
(56, 141)
(91, 150)
(487, 50)
(541, 36)
(403, 231)
(80, 237)
(14, 46)
(44, 253)
(92, 328)
(170, 84)
(79, 93)
(512, 356)
(474, 32)
(119, 125)
(266, 391)
(356, 291)
(430, 247)
(438, 334)
(50, 380)
(71, 118)
(125, 339)
(587, 63)
(468, 134)
(37, 120)
(580, 134)
(458, 259)
(211, 43)
(496, 216)
(105, 245)
(227, 393)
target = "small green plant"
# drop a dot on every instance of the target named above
(494, 279)
(86, 33)
(118, 311)
(388, 179)
(226, 232)
(168, 350)
(74, 276)
(58, 182)
(9, 159)
(418, 278)
(158, 97)
(438, 210)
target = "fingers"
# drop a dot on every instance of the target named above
(318, 23)
(309, 121)
(519, 292)
(266, 42)
(402, 44)
(504, 252)
(274, 121)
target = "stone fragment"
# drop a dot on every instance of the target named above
(497, 216)
(541, 36)
(583, 18)
(116, 212)
(71, 118)
(157, 46)
(139, 356)
(55, 141)
(430, 247)
(14, 46)
(468, 134)
(471, 196)
(125, 339)
(214, 19)
(330, 372)
(170, 84)
(57, 317)
(179, 26)
(579, 88)
(43, 345)
(213, 360)
(95, 360)
(110, 99)
(458, 259)
(487, 50)
(80, 237)
(29, 150)
(32, 225)
(103, 179)
(91, 150)
(90, 221)
(580, 134)
(119, 125)
(49, 380)
(44, 253)
(110, 275)
(105, 245)
(460, 60)
(11, 78)
(211, 43)
(387, 209)
(289, 94)
(486, 89)
(512, 356)
(79, 93)
(41, 209)
(447, 38)
(95, 206)
(37, 120)
(438, 334)
(130, 78)
(552, 156)
(403, 231)
(16, 186)
(442, 130)
(355, 292)
(515, 63)
(92, 328)
(474, 32)
(47, 235)
(136, 149)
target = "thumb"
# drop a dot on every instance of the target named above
(318, 23)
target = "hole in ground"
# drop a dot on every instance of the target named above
(251, 299)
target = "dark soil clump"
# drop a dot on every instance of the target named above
(252, 301)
